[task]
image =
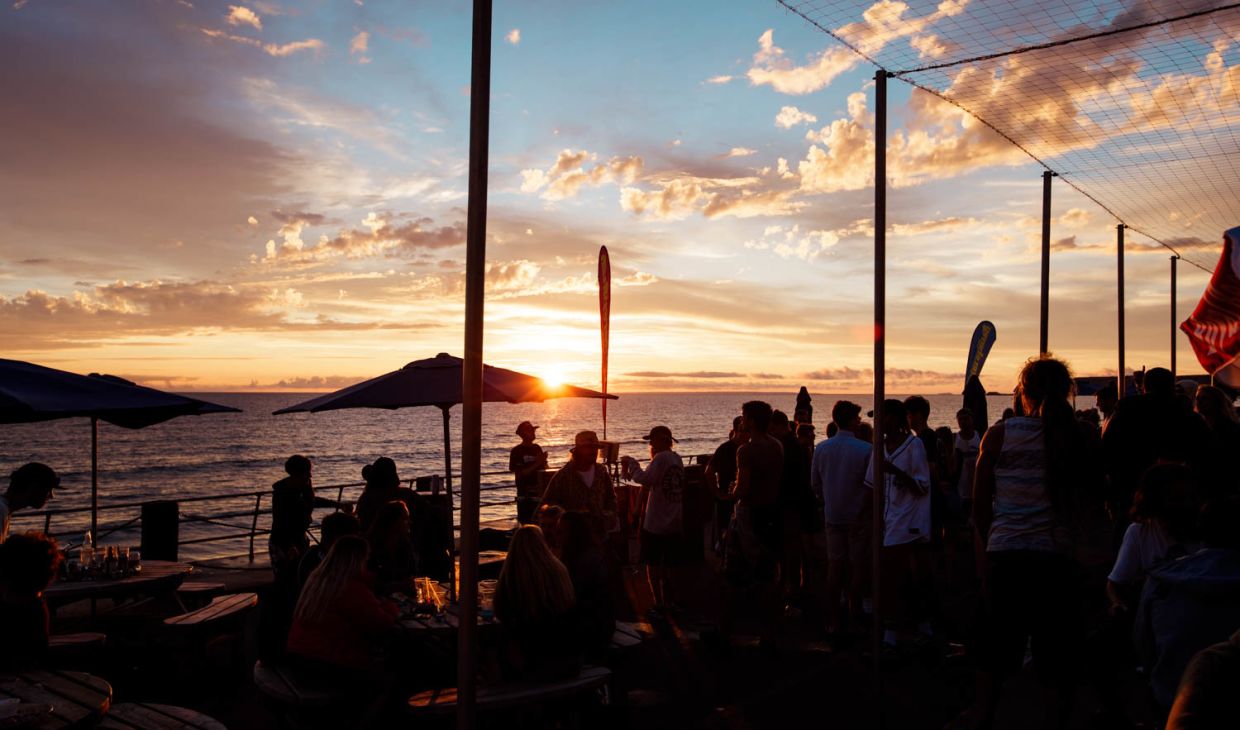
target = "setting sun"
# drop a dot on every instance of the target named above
(553, 376)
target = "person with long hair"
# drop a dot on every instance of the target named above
(393, 559)
(1030, 472)
(338, 618)
(534, 604)
(382, 486)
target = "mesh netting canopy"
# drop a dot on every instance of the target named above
(1134, 103)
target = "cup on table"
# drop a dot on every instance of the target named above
(486, 598)
(135, 560)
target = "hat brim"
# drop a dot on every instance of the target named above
(651, 436)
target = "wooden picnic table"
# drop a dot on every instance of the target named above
(418, 624)
(77, 699)
(157, 577)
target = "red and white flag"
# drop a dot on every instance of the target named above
(1214, 328)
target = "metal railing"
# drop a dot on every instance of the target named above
(249, 528)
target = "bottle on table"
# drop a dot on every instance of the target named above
(109, 563)
(86, 555)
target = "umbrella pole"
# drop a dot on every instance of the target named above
(94, 479)
(447, 471)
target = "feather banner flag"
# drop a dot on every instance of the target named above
(979, 349)
(604, 316)
(1214, 328)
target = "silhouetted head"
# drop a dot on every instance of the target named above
(779, 422)
(28, 563)
(31, 485)
(337, 525)
(1043, 381)
(391, 523)
(1168, 493)
(757, 416)
(297, 466)
(382, 473)
(918, 409)
(1159, 381)
(1214, 405)
(845, 415)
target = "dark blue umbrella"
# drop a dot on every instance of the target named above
(30, 393)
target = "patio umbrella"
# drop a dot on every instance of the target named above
(436, 382)
(30, 393)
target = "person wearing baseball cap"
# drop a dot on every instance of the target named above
(662, 533)
(583, 485)
(525, 461)
(30, 485)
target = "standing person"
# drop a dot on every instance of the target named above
(1031, 471)
(795, 504)
(906, 516)
(292, 511)
(1224, 443)
(918, 409)
(721, 478)
(838, 472)
(382, 486)
(1105, 400)
(662, 532)
(968, 444)
(751, 558)
(805, 406)
(30, 485)
(1146, 428)
(525, 461)
(583, 485)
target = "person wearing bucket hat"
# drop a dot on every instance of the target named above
(525, 461)
(662, 532)
(583, 485)
(30, 485)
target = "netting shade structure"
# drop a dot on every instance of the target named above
(1134, 104)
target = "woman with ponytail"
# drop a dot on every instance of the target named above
(1031, 472)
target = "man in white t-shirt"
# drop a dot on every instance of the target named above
(662, 533)
(30, 485)
(906, 521)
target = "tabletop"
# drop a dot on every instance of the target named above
(146, 716)
(76, 698)
(155, 575)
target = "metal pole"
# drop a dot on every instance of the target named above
(471, 371)
(1044, 331)
(447, 467)
(1119, 265)
(879, 492)
(1174, 260)
(94, 479)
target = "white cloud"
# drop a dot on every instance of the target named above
(741, 152)
(790, 116)
(717, 80)
(772, 67)
(271, 49)
(360, 45)
(241, 15)
(565, 178)
(514, 36)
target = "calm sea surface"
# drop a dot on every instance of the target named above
(244, 452)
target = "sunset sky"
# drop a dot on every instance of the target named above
(209, 196)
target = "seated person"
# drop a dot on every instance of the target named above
(582, 555)
(339, 622)
(392, 557)
(382, 486)
(534, 605)
(334, 526)
(1191, 603)
(28, 563)
(1207, 698)
(549, 516)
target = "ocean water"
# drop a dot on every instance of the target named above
(234, 453)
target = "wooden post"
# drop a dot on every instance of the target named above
(879, 493)
(94, 479)
(1119, 266)
(471, 370)
(1044, 325)
(1174, 260)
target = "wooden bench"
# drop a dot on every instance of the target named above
(146, 716)
(512, 695)
(66, 651)
(220, 610)
(278, 683)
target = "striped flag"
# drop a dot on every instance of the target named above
(604, 316)
(1214, 328)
